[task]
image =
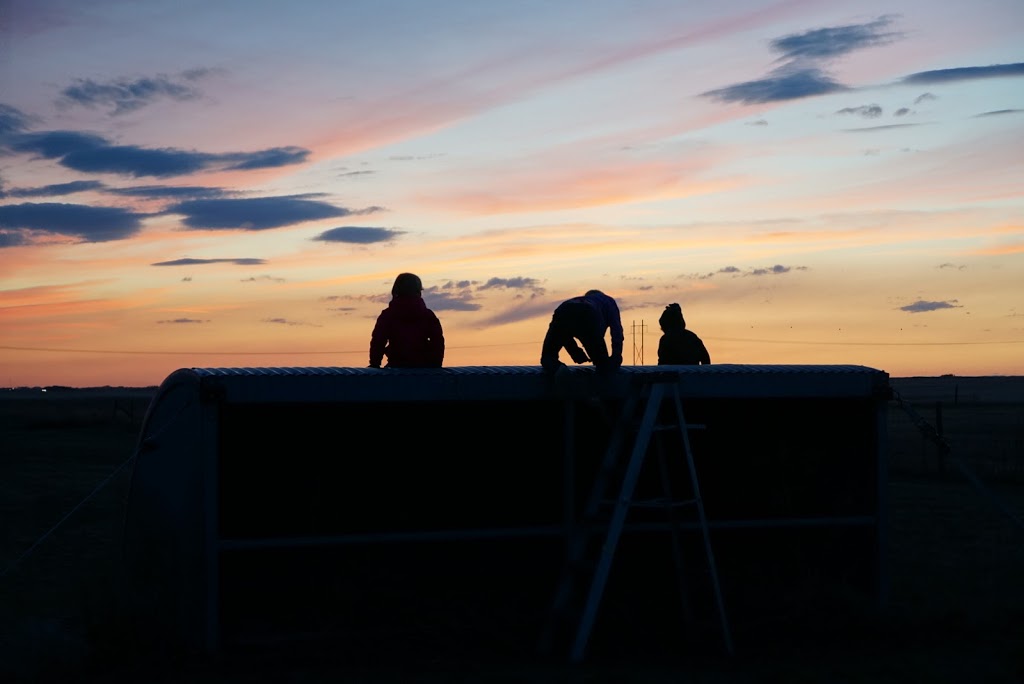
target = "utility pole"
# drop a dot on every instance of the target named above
(638, 352)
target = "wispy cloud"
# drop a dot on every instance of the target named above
(871, 111)
(1000, 112)
(922, 306)
(54, 190)
(450, 296)
(183, 321)
(168, 192)
(440, 299)
(53, 144)
(462, 295)
(258, 213)
(264, 159)
(835, 41)
(523, 311)
(804, 56)
(882, 128)
(965, 73)
(84, 222)
(285, 321)
(777, 269)
(787, 83)
(13, 120)
(12, 239)
(123, 95)
(458, 284)
(263, 279)
(89, 153)
(517, 283)
(201, 262)
(359, 235)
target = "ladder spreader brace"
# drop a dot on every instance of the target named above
(650, 389)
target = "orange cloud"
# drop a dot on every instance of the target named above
(42, 295)
(534, 190)
(1001, 250)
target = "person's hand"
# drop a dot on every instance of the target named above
(616, 360)
(374, 365)
(578, 355)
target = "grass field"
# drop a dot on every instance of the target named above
(956, 550)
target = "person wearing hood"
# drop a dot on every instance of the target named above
(407, 332)
(586, 318)
(679, 346)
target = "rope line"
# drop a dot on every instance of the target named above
(929, 431)
(53, 529)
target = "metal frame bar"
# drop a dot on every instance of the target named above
(209, 418)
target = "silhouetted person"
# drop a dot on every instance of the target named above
(407, 332)
(679, 346)
(586, 319)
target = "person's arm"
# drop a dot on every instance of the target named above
(436, 341)
(575, 352)
(705, 356)
(378, 340)
(614, 321)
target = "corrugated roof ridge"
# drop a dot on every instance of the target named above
(532, 370)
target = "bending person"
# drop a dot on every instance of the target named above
(586, 318)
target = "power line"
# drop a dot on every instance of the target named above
(501, 344)
(231, 353)
(638, 353)
(865, 344)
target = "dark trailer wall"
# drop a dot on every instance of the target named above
(429, 508)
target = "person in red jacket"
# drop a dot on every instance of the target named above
(407, 332)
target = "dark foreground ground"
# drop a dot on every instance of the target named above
(955, 548)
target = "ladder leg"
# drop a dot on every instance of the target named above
(673, 522)
(578, 541)
(617, 521)
(719, 602)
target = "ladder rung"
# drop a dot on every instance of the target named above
(664, 503)
(651, 503)
(674, 426)
(580, 568)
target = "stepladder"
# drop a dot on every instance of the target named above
(651, 410)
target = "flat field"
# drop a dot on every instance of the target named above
(955, 549)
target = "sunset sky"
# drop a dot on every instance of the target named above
(236, 183)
